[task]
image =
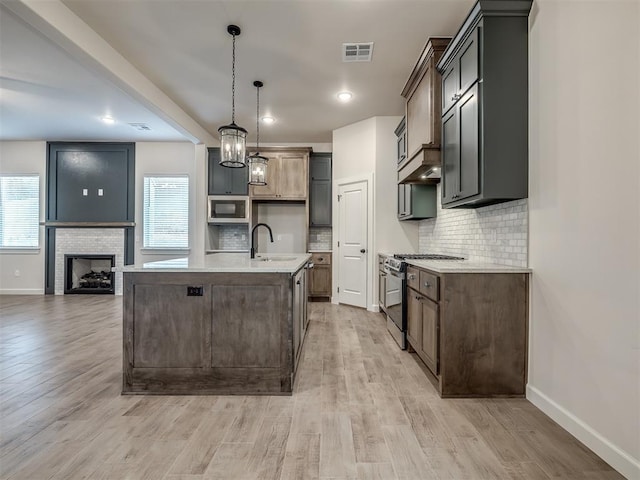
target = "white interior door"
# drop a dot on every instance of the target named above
(352, 248)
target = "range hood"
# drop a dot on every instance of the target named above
(423, 166)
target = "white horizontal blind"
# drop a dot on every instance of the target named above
(19, 211)
(166, 212)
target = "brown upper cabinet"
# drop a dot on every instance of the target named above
(287, 174)
(423, 114)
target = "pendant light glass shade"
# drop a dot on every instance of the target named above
(257, 163)
(233, 139)
(233, 146)
(258, 169)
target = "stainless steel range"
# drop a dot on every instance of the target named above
(393, 290)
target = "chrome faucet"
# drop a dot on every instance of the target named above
(253, 250)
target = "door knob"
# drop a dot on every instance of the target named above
(362, 250)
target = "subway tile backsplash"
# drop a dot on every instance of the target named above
(493, 234)
(320, 238)
(233, 237)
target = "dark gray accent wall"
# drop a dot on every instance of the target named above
(90, 182)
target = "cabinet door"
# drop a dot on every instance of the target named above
(414, 319)
(320, 165)
(239, 181)
(401, 208)
(468, 143)
(450, 86)
(270, 190)
(450, 156)
(320, 203)
(219, 176)
(320, 284)
(468, 63)
(293, 176)
(429, 339)
(171, 329)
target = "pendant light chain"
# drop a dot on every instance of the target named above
(233, 82)
(258, 119)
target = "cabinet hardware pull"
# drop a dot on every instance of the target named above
(412, 277)
(427, 284)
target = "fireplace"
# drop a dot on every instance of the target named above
(85, 273)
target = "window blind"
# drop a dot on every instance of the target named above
(166, 212)
(19, 211)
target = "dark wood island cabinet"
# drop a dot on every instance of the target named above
(229, 325)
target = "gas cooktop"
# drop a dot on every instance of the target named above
(425, 256)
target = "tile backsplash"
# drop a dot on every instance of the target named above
(233, 237)
(493, 234)
(320, 238)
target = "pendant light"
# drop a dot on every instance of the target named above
(233, 139)
(257, 163)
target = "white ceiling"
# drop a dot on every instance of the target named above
(57, 80)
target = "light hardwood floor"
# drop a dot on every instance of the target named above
(362, 409)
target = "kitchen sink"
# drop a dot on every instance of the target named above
(275, 259)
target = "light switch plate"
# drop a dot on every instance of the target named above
(85, 192)
(100, 192)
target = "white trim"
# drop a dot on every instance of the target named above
(21, 291)
(619, 459)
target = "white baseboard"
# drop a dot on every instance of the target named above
(21, 291)
(373, 308)
(619, 459)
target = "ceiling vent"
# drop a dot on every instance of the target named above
(143, 127)
(357, 52)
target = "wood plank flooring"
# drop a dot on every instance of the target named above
(361, 409)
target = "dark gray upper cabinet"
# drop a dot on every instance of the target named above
(485, 107)
(225, 180)
(320, 190)
(90, 182)
(401, 140)
(416, 202)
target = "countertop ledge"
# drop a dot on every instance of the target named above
(225, 262)
(465, 266)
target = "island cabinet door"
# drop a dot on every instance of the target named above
(246, 325)
(171, 329)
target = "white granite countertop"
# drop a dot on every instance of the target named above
(324, 250)
(465, 266)
(226, 262)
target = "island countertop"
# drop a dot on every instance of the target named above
(226, 262)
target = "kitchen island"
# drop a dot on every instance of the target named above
(221, 324)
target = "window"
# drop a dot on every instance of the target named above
(19, 211)
(166, 212)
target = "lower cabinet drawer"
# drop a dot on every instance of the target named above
(429, 285)
(321, 258)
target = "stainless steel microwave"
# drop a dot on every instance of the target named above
(227, 209)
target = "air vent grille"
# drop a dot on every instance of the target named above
(143, 127)
(357, 52)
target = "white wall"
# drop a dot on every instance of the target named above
(584, 210)
(24, 157)
(288, 222)
(367, 149)
(392, 235)
(179, 158)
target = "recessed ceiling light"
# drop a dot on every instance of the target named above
(345, 96)
(268, 120)
(423, 176)
(108, 119)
